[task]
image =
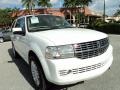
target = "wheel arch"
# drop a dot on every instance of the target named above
(31, 53)
(42, 64)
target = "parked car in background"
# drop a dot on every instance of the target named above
(83, 25)
(5, 35)
(1, 37)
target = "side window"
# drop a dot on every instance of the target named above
(20, 24)
(17, 25)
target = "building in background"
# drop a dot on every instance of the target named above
(72, 15)
(112, 19)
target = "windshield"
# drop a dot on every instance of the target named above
(46, 22)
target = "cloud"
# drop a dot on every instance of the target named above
(15, 2)
(54, 1)
(111, 6)
(57, 3)
(10, 3)
(18, 4)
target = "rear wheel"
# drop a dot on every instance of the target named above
(37, 74)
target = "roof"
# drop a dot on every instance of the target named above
(89, 12)
(57, 12)
(51, 11)
(32, 15)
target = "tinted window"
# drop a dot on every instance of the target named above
(20, 23)
(46, 22)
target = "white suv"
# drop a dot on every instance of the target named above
(59, 53)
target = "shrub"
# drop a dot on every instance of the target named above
(112, 28)
(95, 24)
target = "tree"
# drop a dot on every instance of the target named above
(29, 4)
(83, 4)
(75, 4)
(44, 3)
(70, 3)
(15, 10)
(117, 13)
(5, 17)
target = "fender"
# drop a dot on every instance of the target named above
(36, 49)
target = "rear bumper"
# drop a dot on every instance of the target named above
(73, 70)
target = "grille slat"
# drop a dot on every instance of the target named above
(91, 49)
(81, 70)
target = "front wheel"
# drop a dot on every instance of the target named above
(37, 74)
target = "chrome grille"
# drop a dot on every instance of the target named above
(81, 70)
(91, 49)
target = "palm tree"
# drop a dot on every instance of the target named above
(83, 4)
(69, 3)
(15, 10)
(5, 18)
(29, 4)
(44, 3)
(77, 3)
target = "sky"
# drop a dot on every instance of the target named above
(111, 6)
(96, 5)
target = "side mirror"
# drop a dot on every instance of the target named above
(18, 31)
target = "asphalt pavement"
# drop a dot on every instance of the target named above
(15, 74)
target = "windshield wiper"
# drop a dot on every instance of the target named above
(44, 28)
(40, 28)
(61, 27)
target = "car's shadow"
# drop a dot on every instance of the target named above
(23, 67)
(25, 71)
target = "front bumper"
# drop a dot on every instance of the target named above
(73, 70)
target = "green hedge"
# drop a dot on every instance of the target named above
(112, 28)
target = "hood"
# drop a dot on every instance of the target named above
(70, 35)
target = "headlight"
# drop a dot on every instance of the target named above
(59, 52)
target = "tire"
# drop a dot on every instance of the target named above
(1, 40)
(37, 74)
(15, 54)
